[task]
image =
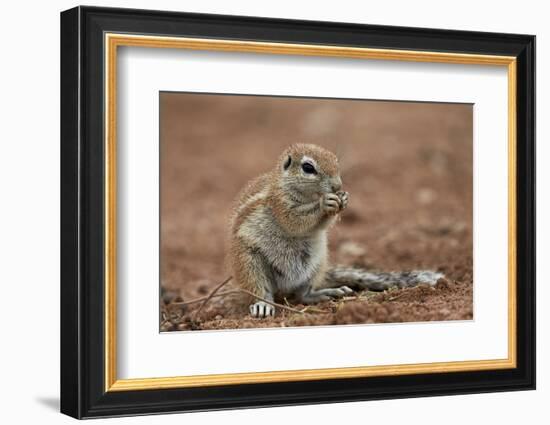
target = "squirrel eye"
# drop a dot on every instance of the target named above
(308, 168)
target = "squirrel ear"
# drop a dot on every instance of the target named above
(287, 163)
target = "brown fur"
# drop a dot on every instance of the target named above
(278, 237)
(278, 228)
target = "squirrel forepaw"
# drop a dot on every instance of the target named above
(262, 309)
(343, 196)
(330, 203)
(333, 203)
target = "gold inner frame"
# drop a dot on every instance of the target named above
(113, 41)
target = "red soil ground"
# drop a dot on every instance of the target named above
(407, 167)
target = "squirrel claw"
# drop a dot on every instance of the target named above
(261, 309)
(343, 196)
(330, 203)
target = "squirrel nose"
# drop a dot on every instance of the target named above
(336, 184)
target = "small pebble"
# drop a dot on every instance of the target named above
(425, 196)
(202, 287)
(168, 295)
(352, 249)
(167, 327)
(442, 283)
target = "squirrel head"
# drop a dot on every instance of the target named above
(308, 171)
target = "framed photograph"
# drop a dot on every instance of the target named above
(261, 212)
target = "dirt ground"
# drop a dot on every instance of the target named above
(407, 167)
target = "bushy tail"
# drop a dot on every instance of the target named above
(379, 281)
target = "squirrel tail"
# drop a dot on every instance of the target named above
(379, 281)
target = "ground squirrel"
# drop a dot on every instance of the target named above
(278, 238)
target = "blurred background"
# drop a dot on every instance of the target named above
(407, 167)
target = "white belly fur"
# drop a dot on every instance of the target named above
(295, 271)
(294, 261)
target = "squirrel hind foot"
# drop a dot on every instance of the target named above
(314, 296)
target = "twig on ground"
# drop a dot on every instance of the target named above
(346, 299)
(214, 294)
(198, 300)
(211, 295)
(397, 296)
(311, 309)
(284, 307)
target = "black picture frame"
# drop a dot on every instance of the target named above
(83, 392)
